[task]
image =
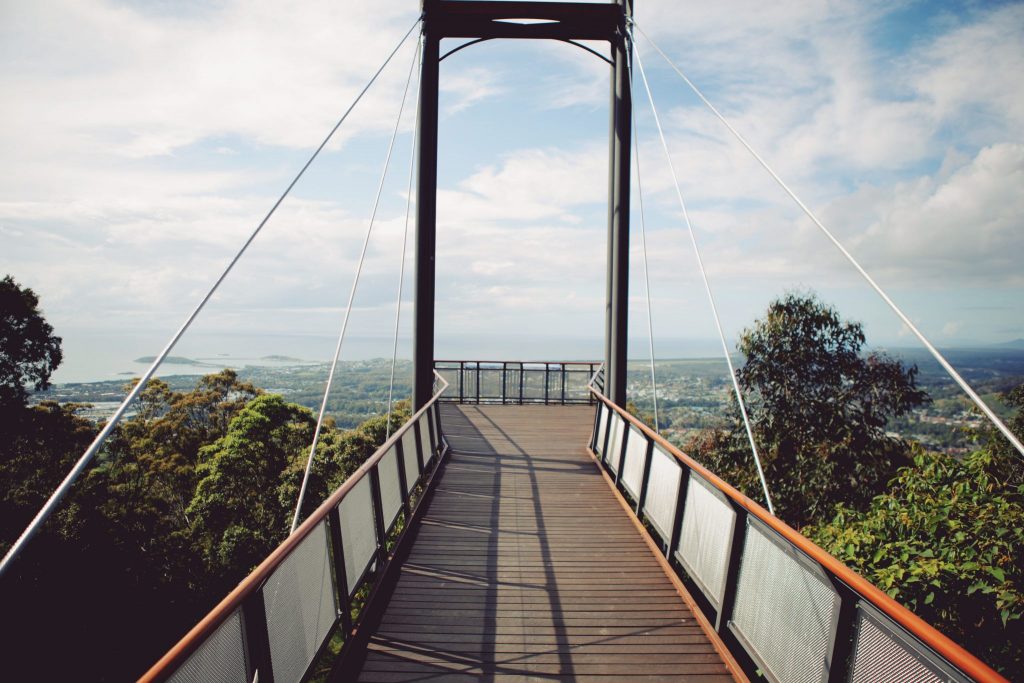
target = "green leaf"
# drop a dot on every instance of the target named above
(998, 574)
(930, 598)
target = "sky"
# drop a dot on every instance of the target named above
(143, 141)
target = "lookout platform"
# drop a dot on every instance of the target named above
(524, 566)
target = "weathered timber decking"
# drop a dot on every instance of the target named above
(525, 567)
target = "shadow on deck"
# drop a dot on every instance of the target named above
(525, 567)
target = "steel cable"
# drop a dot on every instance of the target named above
(83, 462)
(405, 242)
(647, 276)
(978, 401)
(351, 301)
(707, 288)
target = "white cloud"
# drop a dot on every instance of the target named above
(966, 228)
(969, 74)
(528, 185)
(145, 147)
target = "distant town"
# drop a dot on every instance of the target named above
(693, 394)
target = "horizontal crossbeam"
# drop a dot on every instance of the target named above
(541, 20)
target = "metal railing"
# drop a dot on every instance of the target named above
(517, 382)
(275, 625)
(779, 602)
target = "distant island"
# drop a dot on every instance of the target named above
(176, 360)
(284, 359)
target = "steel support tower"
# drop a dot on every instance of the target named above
(478, 20)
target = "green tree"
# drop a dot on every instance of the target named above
(1008, 459)
(946, 542)
(29, 351)
(34, 459)
(339, 455)
(819, 407)
(38, 444)
(238, 515)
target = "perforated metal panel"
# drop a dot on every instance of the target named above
(300, 606)
(221, 657)
(783, 610)
(662, 491)
(602, 428)
(705, 537)
(412, 463)
(425, 436)
(633, 467)
(390, 486)
(358, 536)
(611, 458)
(880, 656)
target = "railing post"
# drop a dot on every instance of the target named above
(504, 377)
(462, 371)
(340, 573)
(434, 435)
(547, 379)
(522, 374)
(403, 481)
(440, 434)
(477, 365)
(378, 518)
(677, 521)
(257, 638)
(842, 630)
(417, 433)
(564, 370)
(732, 571)
(648, 457)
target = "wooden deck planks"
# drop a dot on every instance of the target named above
(524, 567)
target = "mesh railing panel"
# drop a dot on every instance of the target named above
(662, 491)
(576, 382)
(879, 657)
(221, 657)
(633, 466)
(783, 610)
(554, 379)
(533, 384)
(300, 605)
(614, 444)
(412, 463)
(390, 486)
(705, 537)
(602, 429)
(425, 436)
(358, 536)
(490, 383)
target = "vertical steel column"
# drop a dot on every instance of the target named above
(426, 218)
(618, 215)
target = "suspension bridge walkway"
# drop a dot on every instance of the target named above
(522, 525)
(524, 565)
(544, 533)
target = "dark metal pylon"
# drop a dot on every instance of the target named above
(485, 20)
